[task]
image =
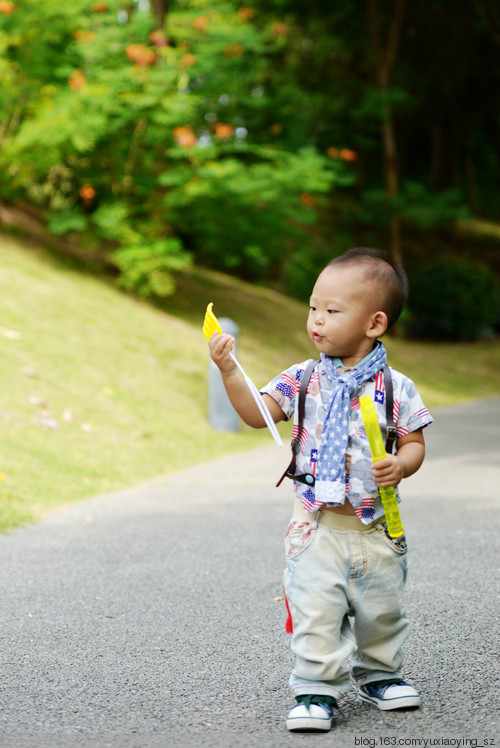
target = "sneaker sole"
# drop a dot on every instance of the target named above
(405, 702)
(308, 724)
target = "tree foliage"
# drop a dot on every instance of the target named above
(158, 142)
(257, 138)
(454, 300)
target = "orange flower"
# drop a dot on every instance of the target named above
(158, 38)
(140, 54)
(246, 13)
(223, 132)
(276, 129)
(99, 8)
(200, 23)
(77, 80)
(346, 155)
(7, 7)
(308, 200)
(187, 60)
(87, 193)
(332, 152)
(234, 50)
(279, 28)
(185, 137)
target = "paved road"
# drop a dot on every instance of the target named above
(150, 617)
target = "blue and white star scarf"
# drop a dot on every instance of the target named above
(330, 477)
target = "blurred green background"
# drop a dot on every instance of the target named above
(160, 155)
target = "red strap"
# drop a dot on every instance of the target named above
(289, 622)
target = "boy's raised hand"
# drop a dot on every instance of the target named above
(256, 410)
(220, 347)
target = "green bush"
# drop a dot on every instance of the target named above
(167, 147)
(453, 300)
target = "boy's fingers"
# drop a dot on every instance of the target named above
(221, 338)
(217, 343)
(383, 475)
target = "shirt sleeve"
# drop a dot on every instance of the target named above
(285, 387)
(410, 412)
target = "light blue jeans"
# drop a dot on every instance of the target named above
(344, 585)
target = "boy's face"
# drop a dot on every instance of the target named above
(342, 318)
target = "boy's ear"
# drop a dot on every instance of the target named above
(378, 325)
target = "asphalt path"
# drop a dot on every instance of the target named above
(154, 616)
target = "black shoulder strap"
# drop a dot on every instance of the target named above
(304, 383)
(391, 433)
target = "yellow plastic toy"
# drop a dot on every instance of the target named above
(211, 325)
(377, 447)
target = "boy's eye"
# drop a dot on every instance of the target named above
(312, 308)
(332, 311)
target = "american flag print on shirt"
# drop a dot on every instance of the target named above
(313, 460)
(420, 416)
(379, 395)
(367, 509)
(308, 499)
(422, 413)
(285, 388)
(410, 414)
(304, 435)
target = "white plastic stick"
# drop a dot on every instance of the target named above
(264, 410)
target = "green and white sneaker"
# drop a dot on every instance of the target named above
(390, 694)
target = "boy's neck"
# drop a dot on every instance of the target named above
(352, 362)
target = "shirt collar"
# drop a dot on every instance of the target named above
(337, 362)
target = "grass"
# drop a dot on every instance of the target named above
(100, 391)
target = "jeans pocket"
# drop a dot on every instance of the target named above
(399, 545)
(299, 536)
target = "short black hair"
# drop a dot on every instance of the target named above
(390, 284)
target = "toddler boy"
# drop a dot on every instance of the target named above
(345, 575)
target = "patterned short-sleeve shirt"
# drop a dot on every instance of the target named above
(410, 414)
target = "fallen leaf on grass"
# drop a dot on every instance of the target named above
(50, 422)
(35, 400)
(10, 334)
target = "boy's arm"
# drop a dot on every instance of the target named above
(410, 455)
(241, 398)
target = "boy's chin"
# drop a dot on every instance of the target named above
(327, 351)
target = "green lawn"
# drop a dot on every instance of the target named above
(100, 391)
